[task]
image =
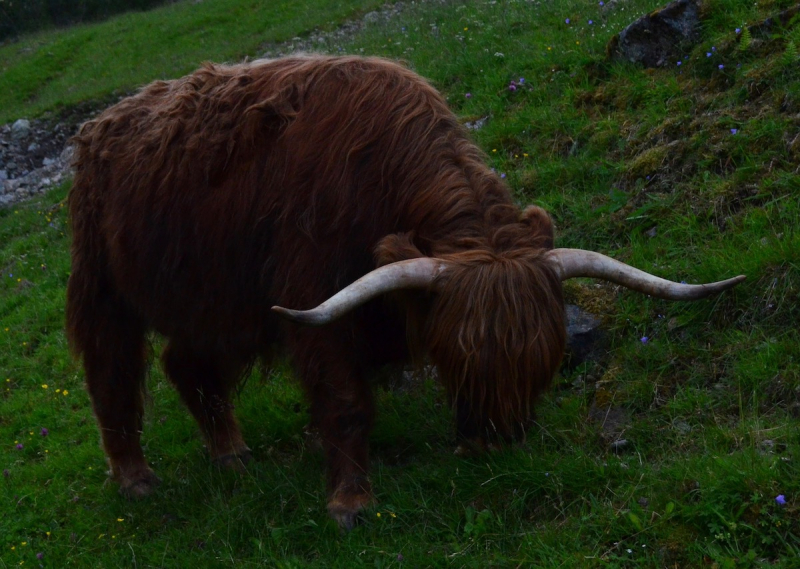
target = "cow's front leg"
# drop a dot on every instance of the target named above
(342, 412)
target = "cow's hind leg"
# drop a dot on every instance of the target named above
(204, 382)
(114, 358)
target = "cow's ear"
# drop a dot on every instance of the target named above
(541, 225)
(396, 247)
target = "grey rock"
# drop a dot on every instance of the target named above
(584, 336)
(660, 37)
(476, 124)
(619, 445)
(20, 129)
(66, 154)
(3, 175)
(33, 147)
(682, 427)
(612, 423)
(372, 17)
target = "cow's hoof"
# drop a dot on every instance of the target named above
(346, 518)
(470, 447)
(138, 487)
(237, 461)
(345, 510)
(464, 451)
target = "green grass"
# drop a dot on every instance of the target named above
(639, 164)
(48, 70)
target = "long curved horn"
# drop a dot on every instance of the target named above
(570, 263)
(414, 273)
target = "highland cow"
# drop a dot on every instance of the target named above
(200, 204)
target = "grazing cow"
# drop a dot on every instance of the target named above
(200, 203)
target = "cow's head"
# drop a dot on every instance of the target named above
(491, 318)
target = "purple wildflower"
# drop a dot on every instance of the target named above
(567, 21)
(44, 432)
(20, 446)
(721, 66)
(645, 339)
(503, 175)
(780, 499)
(521, 80)
(713, 48)
(602, 3)
(738, 30)
(734, 130)
(40, 555)
(468, 95)
(680, 63)
(591, 22)
(400, 557)
(512, 86)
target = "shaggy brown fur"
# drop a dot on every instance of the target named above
(200, 203)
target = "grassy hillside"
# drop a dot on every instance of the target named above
(690, 171)
(47, 70)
